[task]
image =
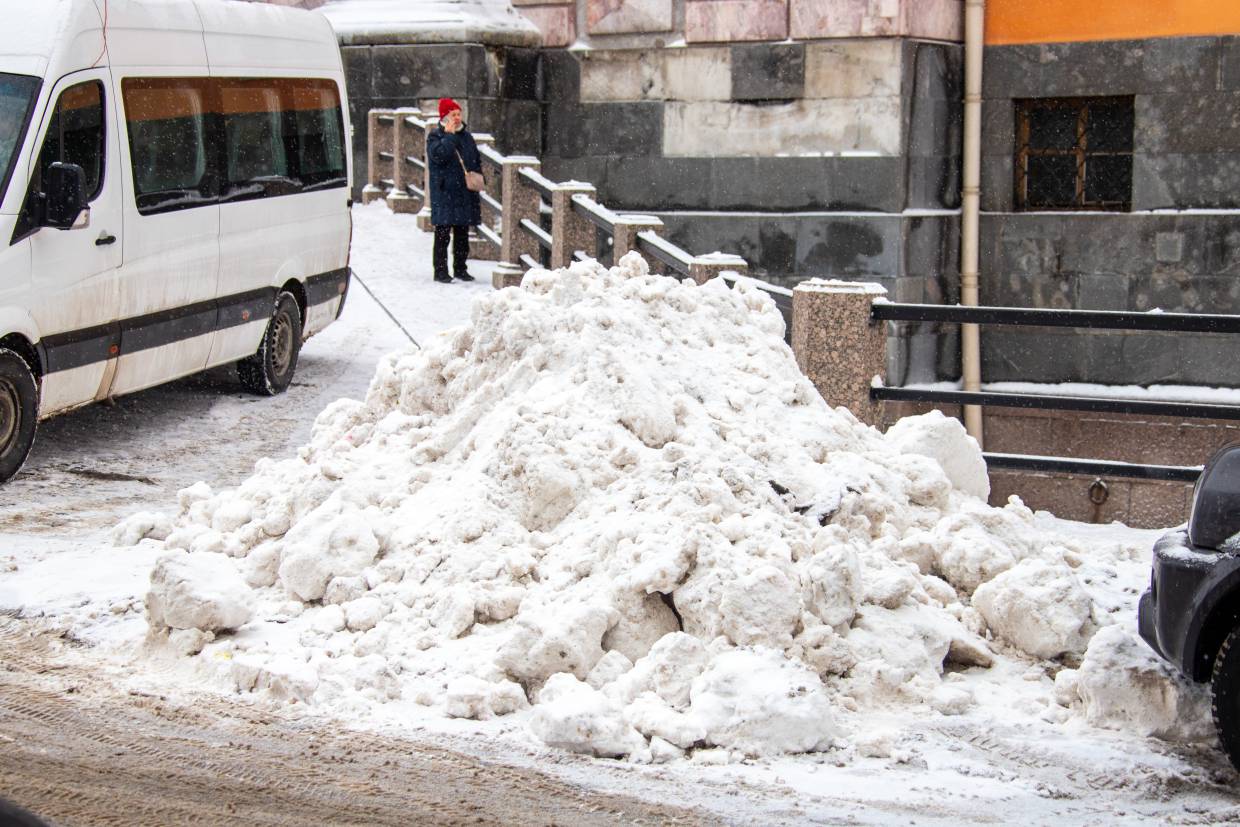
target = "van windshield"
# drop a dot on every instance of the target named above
(17, 94)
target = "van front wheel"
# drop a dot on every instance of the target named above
(19, 412)
(270, 370)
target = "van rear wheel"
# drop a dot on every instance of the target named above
(19, 412)
(270, 370)
(1225, 683)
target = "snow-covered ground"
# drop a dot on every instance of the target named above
(598, 462)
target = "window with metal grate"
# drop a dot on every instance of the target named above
(1074, 153)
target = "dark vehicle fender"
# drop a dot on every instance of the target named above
(1218, 611)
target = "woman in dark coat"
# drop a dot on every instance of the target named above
(451, 150)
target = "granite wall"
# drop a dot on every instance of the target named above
(729, 140)
(1179, 248)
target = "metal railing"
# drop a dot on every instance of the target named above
(882, 311)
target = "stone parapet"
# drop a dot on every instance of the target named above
(381, 137)
(624, 238)
(837, 346)
(704, 268)
(409, 140)
(570, 231)
(521, 201)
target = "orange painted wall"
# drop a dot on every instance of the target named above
(1061, 21)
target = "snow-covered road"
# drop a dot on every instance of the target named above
(91, 469)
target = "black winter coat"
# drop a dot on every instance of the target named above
(451, 202)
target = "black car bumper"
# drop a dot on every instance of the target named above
(1186, 586)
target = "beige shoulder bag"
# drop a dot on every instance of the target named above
(474, 182)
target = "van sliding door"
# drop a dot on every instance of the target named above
(172, 225)
(283, 204)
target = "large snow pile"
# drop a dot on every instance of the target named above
(614, 497)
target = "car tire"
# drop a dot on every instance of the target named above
(270, 370)
(1225, 686)
(19, 412)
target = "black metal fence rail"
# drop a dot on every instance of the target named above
(1041, 317)
(1049, 402)
(883, 311)
(1092, 467)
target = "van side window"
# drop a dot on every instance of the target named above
(256, 162)
(315, 105)
(75, 135)
(168, 121)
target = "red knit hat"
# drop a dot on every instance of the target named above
(446, 105)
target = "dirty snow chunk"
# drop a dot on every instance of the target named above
(1123, 685)
(1039, 607)
(138, 527)
(472, 697)
(286, 678)
(651, 716)
(944, 439)
(468, 697)
(197, 591)
(668, 671)
(198, 492)
(363, 614)
(762, 607)
(760, 703)
(662, 751)
(570, 715)
(643, 621)
(324, 546)
(611, 666)
(950, 700)
(561, 639)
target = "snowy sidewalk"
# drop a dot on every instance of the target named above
(392, 257)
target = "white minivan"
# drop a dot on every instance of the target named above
(174, 195)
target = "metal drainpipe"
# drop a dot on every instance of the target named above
(971, 362)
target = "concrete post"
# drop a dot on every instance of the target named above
(520, 200)
(404, 138)
(624, 237)
(378, 140)
(569, 230)
(837, 346)
(704, 268)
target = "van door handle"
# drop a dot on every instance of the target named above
(106, 238)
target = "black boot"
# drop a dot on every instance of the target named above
(439, 253)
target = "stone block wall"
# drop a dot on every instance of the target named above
(740, 135)
(594, 22)
(1179, 248)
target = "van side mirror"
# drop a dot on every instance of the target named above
(64, 192)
